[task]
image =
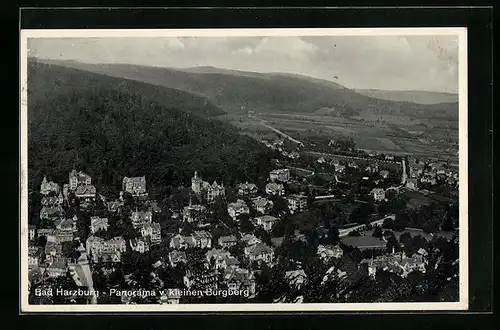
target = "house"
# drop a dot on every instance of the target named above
(62, 236)
(412, 184)
(49, 212)
(428, 179)
(240, 279)
(250, 239)
(176, 257)
(171, 296)
(297, 203)
(139, 218)
(266, 221)
(282, 175)
(78, 178)
(247, 189)
(52, 250)
(49, 187)
(34, 255)
(227, 241)
(352, 164)
(397, 263)
(97, 223)
(52, 200)
(372, 168)
(214, 191)
(216, 256)
(327, 252)
(66, 224)
(227, 262)
(136, 186)
(339, 168)
(366, 242)
(321, 160)
(182, 242)
(57, 267)
(194, 213)
(384, 174)
(206, 280)
(237, 208)
(98, 247)
(113, 256)
(114, 206)
(140, 245)
(296, 278)
(259, 252)
(378, 194)
(203, 239)
(275, 189)
(262, 205)
(65, 191)
(294, 155)
(86, 193)
(205, 189)
(153, 230)
(31, 232)
(46, 232)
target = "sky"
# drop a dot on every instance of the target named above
(427, 63)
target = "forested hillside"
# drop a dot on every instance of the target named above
(110, 128)
(238, 91)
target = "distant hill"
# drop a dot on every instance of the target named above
(112, 127)
(420, 97)
(64, 79)
(239, 92)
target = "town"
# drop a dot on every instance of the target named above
(331, 224)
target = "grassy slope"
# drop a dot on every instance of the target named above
(421, 97)
(238, 92)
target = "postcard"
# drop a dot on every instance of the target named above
(245, 170)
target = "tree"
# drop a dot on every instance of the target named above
(333, 235)
(377, 232)
(280, 206)
(245, 224)
(387, 223)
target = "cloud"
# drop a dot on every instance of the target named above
(245, 51)
(385, 62)
(175, 44)
(293, 47)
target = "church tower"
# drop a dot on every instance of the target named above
(196, 182)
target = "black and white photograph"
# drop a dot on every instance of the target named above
(244, 170)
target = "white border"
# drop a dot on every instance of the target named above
(312, 307)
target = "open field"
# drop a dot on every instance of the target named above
(388, 135)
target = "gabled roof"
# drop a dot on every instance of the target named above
(216, 253)
(267, 218)
(258, 249)
(177, 256)
(261, 201)
(85, 190)
(230, 238)
(202, 234)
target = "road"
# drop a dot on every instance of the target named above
(345, 232)
(369, 159)
(404, 176)
(281, 133)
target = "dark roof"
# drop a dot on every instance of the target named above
(363, 242)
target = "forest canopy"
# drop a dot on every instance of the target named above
(110, 129)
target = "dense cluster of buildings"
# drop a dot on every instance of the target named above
(221, 267)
